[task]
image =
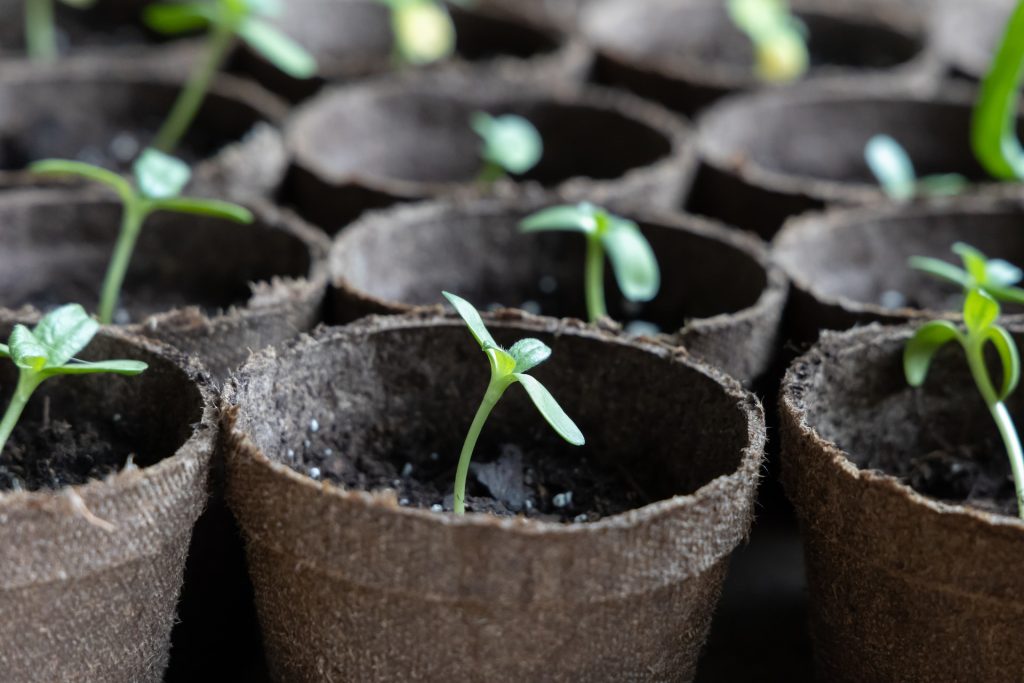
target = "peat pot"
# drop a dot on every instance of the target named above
(907, 511)
(849, 267)
(768, 156)
(209, 287)
(720, 297)
(342, 449)
(397, 139)
(93, 549)
(688, 53)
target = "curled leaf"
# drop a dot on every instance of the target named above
(549, 408)
(922, 347)
(633, 260)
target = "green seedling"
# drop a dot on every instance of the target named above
(994, 122)
(507, 368)
(981, 328)
(778, 37)
(423, 31)
(995, 277)
(632, 258)
(895, 172)
(225, 20)
(48, 350)
(510, 144)
(159, 180)
(41, 29)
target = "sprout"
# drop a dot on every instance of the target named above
(507, 368)
(994, 123)
(40, 31)
(48, 350)
(159, 180)
(778, 38)
(423, 31)
(225, 19)
(632, 258)
(892, 166)
(995, 277)
(511, 144)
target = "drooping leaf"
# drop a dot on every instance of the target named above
(278, 49)
(980, 310)
(529, 353)
(994, 120)
(159, 175)
(549, 408)
(64, 332)
(922, 347)
(473, 320)
(974, 261)
(64, 167)
(116, 367)
(509, 141)
(892, 166)
(1009, 357)
(26, 351)
(633, 260)
(580, 217)
(172, 18)
(205, 207)
(941, 269)
(423, 31)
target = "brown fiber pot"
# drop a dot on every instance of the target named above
(903, 586)
(401, 138)
(967, 34)
(849, 267)
(688, 53)
(351, 585)
(720, 297)
(105, 111)
(765, 157)
(211, 288)
(80, 601)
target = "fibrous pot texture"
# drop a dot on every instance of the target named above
(373, 144)
(850, 267)
(720, 296)
(904, 585)
(209, 287)
(688, 53)
(90, 574)
(353, 584)
(967, 34)
(768, 156)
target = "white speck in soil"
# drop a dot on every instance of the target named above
(530, 307)
(122, 316)
(435, 456)
(307, 443)
(328, 452)
(638, 328)
(403, 501)
(291, 454)
(116, 417)
(314, 472)
(314, 426)
(890, 298)
(562, 500)
(396, 483)
(437, 507)
(124, 147)
(579, 519)
(407, 470)
(529, 504)
(547, 284)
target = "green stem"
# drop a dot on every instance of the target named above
(490, 173)
(495, 389)
(27, 383)
(191, 98)
(594, 279)
(40, 32)
(135, 212)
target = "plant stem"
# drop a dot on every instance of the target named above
(490, 173)
(135, 212)
(27, 383)
(191, 98)
(40, 33)
(594, 279)
(495, 389)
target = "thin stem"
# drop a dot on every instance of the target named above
(495, 389)
(135, 212)
(27, 383)
(594, 279)
(40, 32)
(191, 98)
(491, 173)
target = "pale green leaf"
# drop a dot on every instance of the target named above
(576, 217)
(941, 269)
(502, 362)
(64, 167)
(892, 166)
(633, 260)
(64, 332)
(116, 367)
(205, 207)
(921, 349)
(980, 310)
(26, 351)
(1009, 356)
(423, 31)
(473, 320)
(974, 261)
(509, 141)
(159, 175)
(278, 49)
(529, 353)
(549, 408)
(1000, 273)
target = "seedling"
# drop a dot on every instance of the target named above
(507, 368)
(994, 123)
(632, 258)
(159, 179)
(41, 30)
(422, 29)
(892, 166)
(778, 37)
(981, 313)
(48, 350)
(225, 20)
(511, 144)
(995, 277)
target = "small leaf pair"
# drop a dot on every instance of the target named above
(892, 167)
(423, 31)
(633, 261)
(511, 144)
(507, 368)
(995, 277)
(778, 38)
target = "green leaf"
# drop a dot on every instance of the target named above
(1002, 273)
(1013, 295)
(974, 261)
(159, 175)
(205, 207)
(549, 408)
(994, 121)
(778, 38)
(64, 332)
(278, 49)
(633, 260)
(502, 362)
(423, 31)
(892, 166)
(980, 310)
(79, 4)
(578, 217)
(63, 167)
(116, 367)
(473, 320)
(942, 184)
(178, 17)
(26, 351)
(5, 351)
(510, 141)
(529, 353)
(921, 348)
(941, 269)
(1009, 356)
